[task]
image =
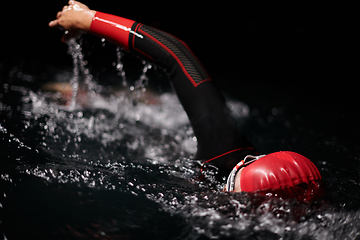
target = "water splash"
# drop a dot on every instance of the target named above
(75, 51)
(139, 153)
(80, 72)
(120, 66)
(143, 80)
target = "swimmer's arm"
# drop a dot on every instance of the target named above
(215, 129)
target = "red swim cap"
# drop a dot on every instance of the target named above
(287, 173)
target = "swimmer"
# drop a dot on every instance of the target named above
(220, 142)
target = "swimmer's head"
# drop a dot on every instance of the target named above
(285, 174)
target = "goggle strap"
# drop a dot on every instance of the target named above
(230, 183)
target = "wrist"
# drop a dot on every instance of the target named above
(87, 20)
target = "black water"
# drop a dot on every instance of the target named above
(118, 168)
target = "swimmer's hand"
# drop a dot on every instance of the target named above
(75, 18)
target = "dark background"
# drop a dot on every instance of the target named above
(300, 44)
(301, 52)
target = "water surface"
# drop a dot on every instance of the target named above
(116, 163)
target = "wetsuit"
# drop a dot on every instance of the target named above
(219, 141)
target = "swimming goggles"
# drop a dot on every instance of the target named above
(230, 183)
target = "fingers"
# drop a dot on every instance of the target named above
(73, 2)
(54, 23)
(58, 15)
(68, 19)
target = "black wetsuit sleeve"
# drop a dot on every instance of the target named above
(219, 140)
